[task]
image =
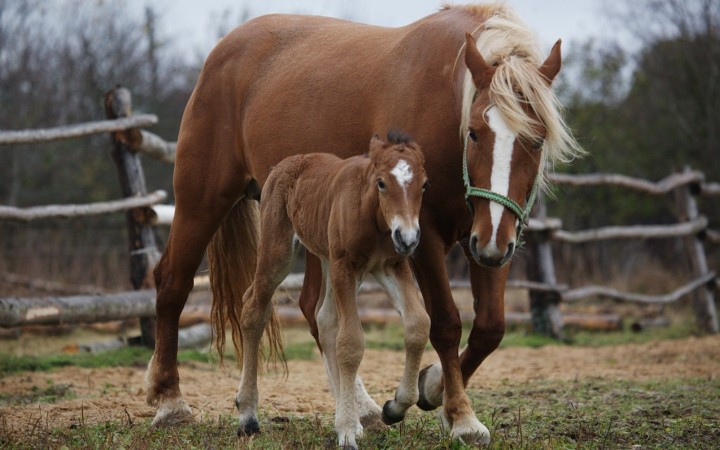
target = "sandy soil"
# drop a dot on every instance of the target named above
(118, 394)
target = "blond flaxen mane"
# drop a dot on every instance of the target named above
(506, 42)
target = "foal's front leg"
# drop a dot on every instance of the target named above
(327, 322)
(349, 348)
(398, 283)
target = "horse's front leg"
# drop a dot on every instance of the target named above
(398, 282)
(349, 349)
(488, 290)
(442, 383)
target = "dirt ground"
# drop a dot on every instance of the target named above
(102, 395)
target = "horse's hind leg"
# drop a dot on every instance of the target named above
(193, 226)
(398, 283)
(276, 252)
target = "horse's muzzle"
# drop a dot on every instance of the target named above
(491, 256)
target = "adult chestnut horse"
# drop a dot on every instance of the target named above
(279, 84)
(358, 215)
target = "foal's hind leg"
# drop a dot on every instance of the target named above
(276, 252)
(342, 341)
(398, 283)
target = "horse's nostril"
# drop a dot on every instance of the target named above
(397, 237)
(510, 250)
(473, 247)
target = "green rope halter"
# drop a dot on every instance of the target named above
(512, 205)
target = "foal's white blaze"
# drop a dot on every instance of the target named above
(403, 174)
(500, 177)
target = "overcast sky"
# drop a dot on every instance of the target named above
(195, 23)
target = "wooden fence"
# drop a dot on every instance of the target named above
(143, 211)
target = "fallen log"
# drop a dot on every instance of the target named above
(76, 309)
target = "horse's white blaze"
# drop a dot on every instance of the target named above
(500, 177)
(403, 173)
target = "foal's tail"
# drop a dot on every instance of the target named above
(232, 257)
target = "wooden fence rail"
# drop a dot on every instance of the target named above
(129, 140)
(89, 209)
(77, 130)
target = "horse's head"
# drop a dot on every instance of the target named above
(398, 175)
(503, 157)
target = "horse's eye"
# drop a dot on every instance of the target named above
(381, 185)
(425, 185)
(538, 143)
(472, 135)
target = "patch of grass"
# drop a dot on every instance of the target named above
(48, 394)
(124, 357)
(542, 414)
(523, 339)
(600, 414)
(676, 330)
(300, 350)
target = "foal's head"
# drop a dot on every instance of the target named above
(512, 129)
(396, 169)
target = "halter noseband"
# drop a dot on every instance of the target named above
(512, 205)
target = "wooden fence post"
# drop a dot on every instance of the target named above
(143, 249)
(704, 298)
(546, 318)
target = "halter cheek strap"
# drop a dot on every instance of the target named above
(507, 202)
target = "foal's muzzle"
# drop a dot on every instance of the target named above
(405, 240)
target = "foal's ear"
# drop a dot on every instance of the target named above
(480, 71)
(376, 144)
(551, 66)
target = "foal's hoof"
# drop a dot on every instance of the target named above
(249, 428)
(424, 402)
(389, 416)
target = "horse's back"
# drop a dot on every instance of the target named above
(282, 84)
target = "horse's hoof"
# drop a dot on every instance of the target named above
(248, 428)
(423, 401)
(470, 431)
(389, 417)
(173, 413)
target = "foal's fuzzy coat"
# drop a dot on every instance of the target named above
(359, 215)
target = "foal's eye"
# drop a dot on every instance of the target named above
(538, 143)
(381, 185)
(472, 135)
(425, 185)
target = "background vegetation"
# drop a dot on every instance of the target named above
(645, 112)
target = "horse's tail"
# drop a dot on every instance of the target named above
(232, 257)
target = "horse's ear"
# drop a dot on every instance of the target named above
(480, 71)
(551, 66)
